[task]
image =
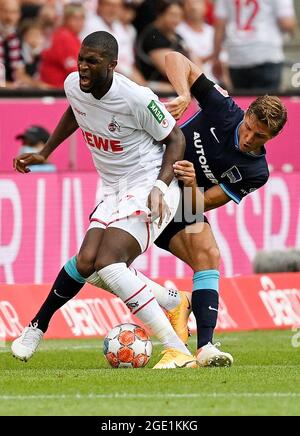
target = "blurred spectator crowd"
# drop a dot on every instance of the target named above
(238, 43)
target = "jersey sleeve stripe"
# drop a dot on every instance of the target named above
(233, 196)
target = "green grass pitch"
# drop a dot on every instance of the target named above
(71, 377)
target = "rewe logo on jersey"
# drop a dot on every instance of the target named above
(104, 144)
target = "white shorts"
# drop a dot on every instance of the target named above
(131, 214)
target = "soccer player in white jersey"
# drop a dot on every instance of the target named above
(254, 40)
(125, 127)
(234, 149)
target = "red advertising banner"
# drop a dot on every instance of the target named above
(43, 219)
(247, 303)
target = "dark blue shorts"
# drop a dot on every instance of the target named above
(163, 241)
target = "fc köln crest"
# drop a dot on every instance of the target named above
(113, 125)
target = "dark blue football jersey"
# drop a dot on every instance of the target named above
(213, 147)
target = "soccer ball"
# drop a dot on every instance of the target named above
(127, 346)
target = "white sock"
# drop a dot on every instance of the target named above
(96, 281)
(140, 300)
(166, 297)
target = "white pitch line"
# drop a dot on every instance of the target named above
(67, 347)
(64, 348)
(158, 395)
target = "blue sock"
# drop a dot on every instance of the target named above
(71, 269)
(205, 304)
(67, 284)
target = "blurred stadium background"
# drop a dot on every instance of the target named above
(43, 215)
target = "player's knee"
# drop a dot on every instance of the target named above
(100, 264)
(214, 256)
(104, 261)
(85, 264)
(206, 257)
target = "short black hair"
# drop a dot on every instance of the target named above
(163, 5)
(103, 41)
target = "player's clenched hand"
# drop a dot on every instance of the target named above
(158, 206)
(185, 171)
(22, 162)
(177, 106)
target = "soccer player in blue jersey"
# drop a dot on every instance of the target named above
(225, 155)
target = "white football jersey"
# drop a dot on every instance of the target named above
(252, 31)
(200, 44)
(122, 130)
(125, 36)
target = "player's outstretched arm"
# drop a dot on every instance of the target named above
(220, 30)
(182, 73)
(66, 126)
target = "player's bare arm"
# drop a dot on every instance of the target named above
(66, 126)
(213, 198)
(182, 73)
(220, 28)
(288, 25)
(175, 147)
